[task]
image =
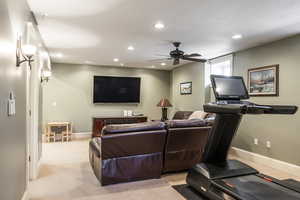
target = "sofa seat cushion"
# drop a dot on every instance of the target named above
(137, 127)
(186, 123)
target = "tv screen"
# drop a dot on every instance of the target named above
(108, 89)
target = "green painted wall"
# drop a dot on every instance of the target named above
(283, 130)
(14, 15)
(70, 88)
(193, 72)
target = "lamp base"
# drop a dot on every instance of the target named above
(164, 115)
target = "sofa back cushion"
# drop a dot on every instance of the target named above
(186, 123)
(182, 115)
(136, 127)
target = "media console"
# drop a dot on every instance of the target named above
(100, 122)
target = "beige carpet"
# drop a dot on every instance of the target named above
(65, 174)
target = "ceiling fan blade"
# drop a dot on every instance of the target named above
(176, 61)
(194, 59)
(192, 55)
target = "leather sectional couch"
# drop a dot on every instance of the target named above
(140, 151)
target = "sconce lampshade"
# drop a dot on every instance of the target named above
(164, 103)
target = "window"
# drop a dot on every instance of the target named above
(219, 66)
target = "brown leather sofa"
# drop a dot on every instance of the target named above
(133, 152)
(126, 153)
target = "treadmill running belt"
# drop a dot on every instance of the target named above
(255, 188)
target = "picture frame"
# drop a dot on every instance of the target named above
(263, 81)
(186, 88)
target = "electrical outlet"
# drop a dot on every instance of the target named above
(255, 141)
(268, 144)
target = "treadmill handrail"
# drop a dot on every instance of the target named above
(250, 109)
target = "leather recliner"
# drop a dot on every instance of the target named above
(185, 144)
(127, 153)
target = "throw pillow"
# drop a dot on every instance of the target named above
(198, 115)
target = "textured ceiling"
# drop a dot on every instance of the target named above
(97, 31)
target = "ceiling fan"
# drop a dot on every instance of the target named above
(177, 54)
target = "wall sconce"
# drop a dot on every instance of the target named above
(24, 53)
(45, 76)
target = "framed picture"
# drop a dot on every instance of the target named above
(264, 81)
(186, 88)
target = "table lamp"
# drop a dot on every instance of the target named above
(164, 104)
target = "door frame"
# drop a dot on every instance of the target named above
(32, 114)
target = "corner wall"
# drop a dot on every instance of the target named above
(193, 72)
(68, 94)
(282, 130)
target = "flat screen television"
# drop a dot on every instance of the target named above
(110, 89)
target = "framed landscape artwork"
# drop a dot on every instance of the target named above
(264, 81)
(186, 88)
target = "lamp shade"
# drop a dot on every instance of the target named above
(164, 103)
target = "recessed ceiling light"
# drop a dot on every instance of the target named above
(159, 25)
(116, 59)
(163, 64)
(130, 48)
(237, 36)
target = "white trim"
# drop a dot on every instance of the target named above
(81, 135)
(276, 164)
(25, 196)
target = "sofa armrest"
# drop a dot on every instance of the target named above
(130, 144)
(95, 146)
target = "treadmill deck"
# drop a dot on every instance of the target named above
(255, 188)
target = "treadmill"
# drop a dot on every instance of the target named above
(220, 179)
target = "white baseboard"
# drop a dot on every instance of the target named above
(25, 196)
(81, 135)
(276, 164)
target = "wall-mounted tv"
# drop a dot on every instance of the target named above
(110, 89)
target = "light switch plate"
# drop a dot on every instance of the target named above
(11, 105)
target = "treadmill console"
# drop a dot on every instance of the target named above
(230, 90)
